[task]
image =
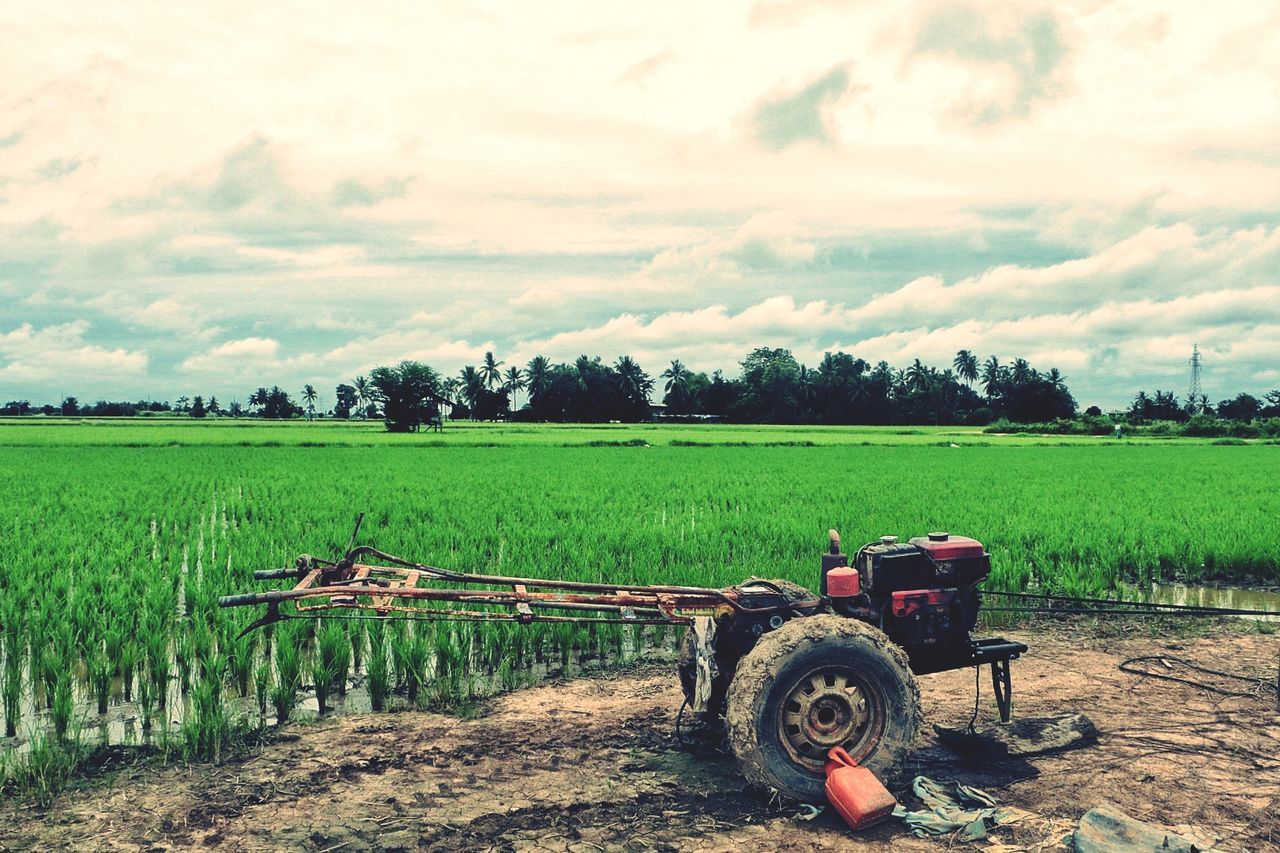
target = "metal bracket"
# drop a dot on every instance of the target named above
(1002, 683)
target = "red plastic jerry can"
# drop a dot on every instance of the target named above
(856, 792)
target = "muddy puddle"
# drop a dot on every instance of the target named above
(1219, 596)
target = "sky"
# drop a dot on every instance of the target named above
(203, 199)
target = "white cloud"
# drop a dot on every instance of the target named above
(242, 358)
(764, 241)
(31, 356)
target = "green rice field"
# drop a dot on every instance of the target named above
(119, 536)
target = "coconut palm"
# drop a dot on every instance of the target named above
(991, 376)
(512, 381)
(804, 385)
(966, 365)
(583, 365)
(472, 385)
(1021, 371)
(537, 377)
(677, 376)
(634, 383)
(258, 398)
(310, 396)
(489, 371)
(361, 384)
(917, 375)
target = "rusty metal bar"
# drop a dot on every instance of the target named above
(389, 591)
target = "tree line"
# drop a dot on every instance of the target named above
(771, 386)
(1165, 406)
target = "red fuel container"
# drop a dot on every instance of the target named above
(856, 792)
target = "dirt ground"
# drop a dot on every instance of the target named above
(593, 764)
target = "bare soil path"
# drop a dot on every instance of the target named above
(593, 764)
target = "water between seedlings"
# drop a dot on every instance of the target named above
(123, 722)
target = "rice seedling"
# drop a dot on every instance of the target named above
(146, 702)
(45, 768)
(284, 694)
(62, 705)
(328, 663)
(156, 653)
(100, 672)
(356, 635)
(11, 691)
(417, 657)
(240, 660)
(377, 666)
(207, 730)
(128, 663)
(185, 658)
(261, 683)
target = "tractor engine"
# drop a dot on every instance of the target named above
(922, 593)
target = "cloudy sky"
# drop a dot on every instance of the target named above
(201, 199)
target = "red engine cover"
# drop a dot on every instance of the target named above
(908, 602)
(944, 546)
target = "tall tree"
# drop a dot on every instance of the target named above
(917, 376)
(361, 384)
(676, 375)
(258, 399)
(1021, 371)
(310, 396)
(408, 393)
(966, 365)
(538, 380)
(635, 385)
(472, 385)
(345, 400)
(512, 381)
(489, 370)
(676, 389)
(452, 392)
(991, 377)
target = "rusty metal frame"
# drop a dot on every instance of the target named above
(355, 587)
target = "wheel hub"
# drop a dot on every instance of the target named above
(826, 708)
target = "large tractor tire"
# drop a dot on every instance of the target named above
(816, 683)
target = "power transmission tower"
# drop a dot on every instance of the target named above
(1196, 363)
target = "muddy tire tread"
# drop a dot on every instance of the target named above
(756, 672)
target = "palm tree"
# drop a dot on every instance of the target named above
(537, 377)
(677, 376)
(991, 376)
(804, 384)
(258, 398)
(632, 380)
(361, 384)
(513, 381)
(1021, 371)
(583, 365)
(489, 371)
(472, 385)
(1055, 377)
(917, 375)
(309, 395)
(966, 365)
